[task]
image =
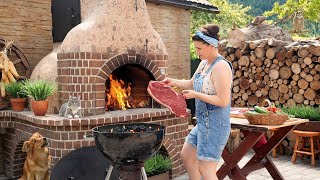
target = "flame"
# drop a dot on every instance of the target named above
(119, 93)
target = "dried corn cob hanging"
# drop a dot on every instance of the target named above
(8, 71)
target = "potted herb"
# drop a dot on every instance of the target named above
(157, 167)
(17, 95)
(39, 91)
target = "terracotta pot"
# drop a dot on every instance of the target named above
(18, 104)
(163, 176)
(39, 108)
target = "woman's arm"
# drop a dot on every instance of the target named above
(182, 84)
(222, 77)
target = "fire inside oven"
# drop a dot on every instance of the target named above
(126, 88)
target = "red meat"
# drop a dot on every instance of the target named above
(166, 96)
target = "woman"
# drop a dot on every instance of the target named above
(211, 88)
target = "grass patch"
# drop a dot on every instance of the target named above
(305, 112)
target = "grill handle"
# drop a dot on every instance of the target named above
(89, 137)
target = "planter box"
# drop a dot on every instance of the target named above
(163, 176)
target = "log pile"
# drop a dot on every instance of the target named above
(285, 72)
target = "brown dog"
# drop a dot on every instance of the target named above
(36, 166)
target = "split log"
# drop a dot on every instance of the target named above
(315, 85)
(244, 84)
(271, 52)
(281, 55)
(309, 77)
(244, 45)
(285, 72)
(310, 94)
(245, 96)
(315, 50)
(244, 61)
(289, 53)
(261, 31)
(298, 98)
(291, 103)
(253, 100)
(258, 93)
(277, 42)
(253, 86)
(274, 94)
(303, 84)
(274, 74)
(256, 43)
(283, 89)
(296, 68)
(303, 51)
(260, 52)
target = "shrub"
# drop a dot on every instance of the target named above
(305, 112)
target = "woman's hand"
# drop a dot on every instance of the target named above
(189, 94)
(168, 82)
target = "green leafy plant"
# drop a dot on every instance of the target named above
(157, 164)
(305, 112)
(39, 90)
(16, 89)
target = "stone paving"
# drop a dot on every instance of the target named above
(302, 170)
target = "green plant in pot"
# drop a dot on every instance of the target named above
(39, 90)
(157, 167)
(17, 94)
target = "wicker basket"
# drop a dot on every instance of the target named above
(266, 119)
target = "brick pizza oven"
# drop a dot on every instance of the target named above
(115, 40)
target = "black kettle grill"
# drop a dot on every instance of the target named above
(120, 148)
(129, 145)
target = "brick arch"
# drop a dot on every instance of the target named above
(173, 153)
(115, 62)
(170, 146)
(128, 58)
(15, 139)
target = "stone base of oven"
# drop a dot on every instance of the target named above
(65, 135)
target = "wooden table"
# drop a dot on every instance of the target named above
(260, 159)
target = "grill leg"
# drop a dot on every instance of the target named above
(109, 172)
(144, 174)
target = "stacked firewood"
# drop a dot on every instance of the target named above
(285, 72)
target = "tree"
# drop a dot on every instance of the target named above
(310, 9)
(230, 15)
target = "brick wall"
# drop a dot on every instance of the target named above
(173, 25)
(65, 135)
(29, 24)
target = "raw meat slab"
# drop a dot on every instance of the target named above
(166, 96)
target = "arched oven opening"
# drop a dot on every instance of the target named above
(126, 88)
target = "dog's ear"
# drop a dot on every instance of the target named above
(26, 146)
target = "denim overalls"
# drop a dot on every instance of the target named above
(211, 133)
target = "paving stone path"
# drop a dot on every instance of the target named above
(302, 170)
